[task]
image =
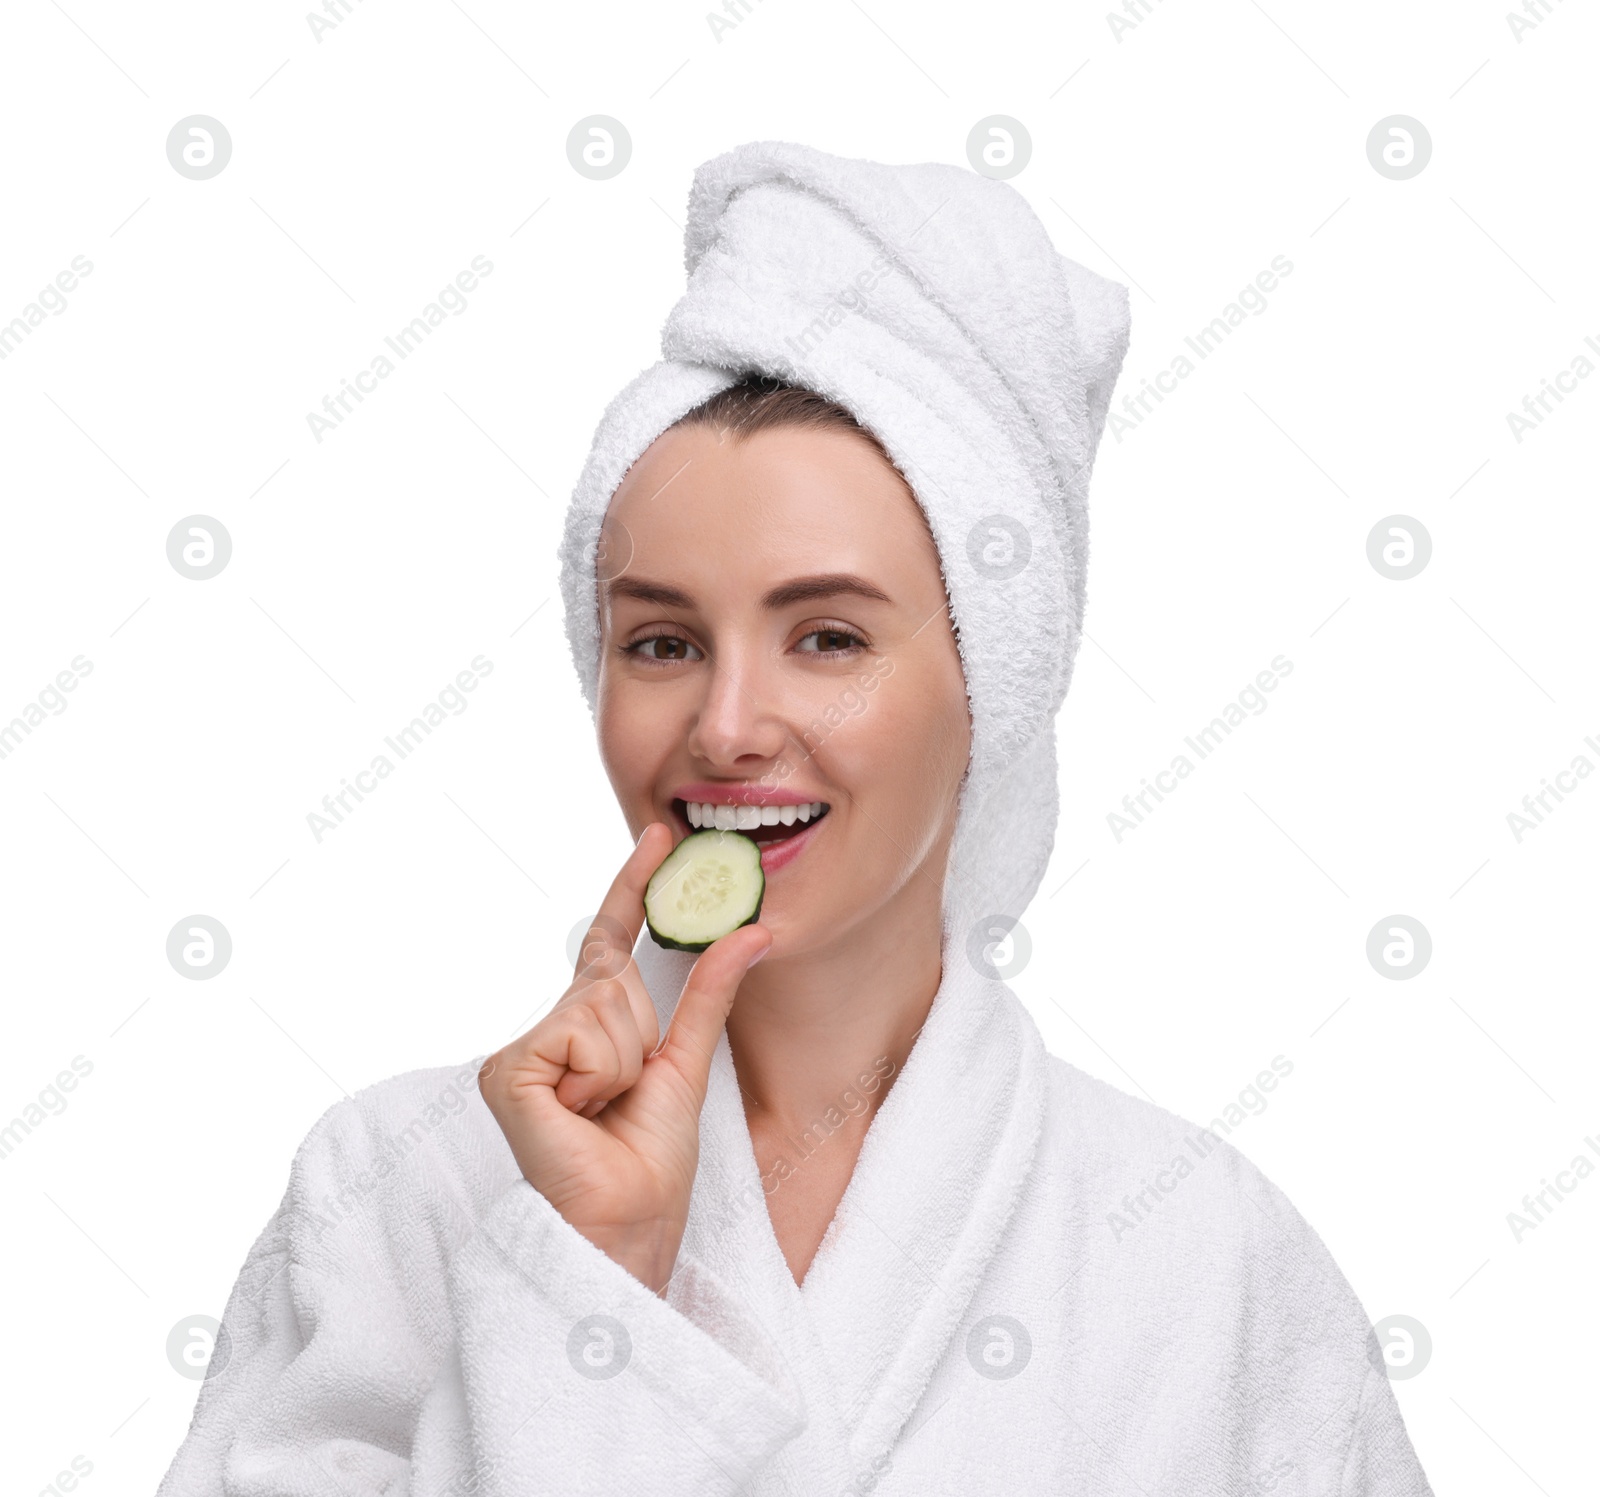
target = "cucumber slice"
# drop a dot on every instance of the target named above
(709, 884)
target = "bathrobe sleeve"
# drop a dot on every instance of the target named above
(429, 1338)
(1380, 1461)
(1313, 1390)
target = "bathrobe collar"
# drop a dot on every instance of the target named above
(932, 1193)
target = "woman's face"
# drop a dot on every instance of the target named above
(774, 631)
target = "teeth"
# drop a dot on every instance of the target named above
(748, 818)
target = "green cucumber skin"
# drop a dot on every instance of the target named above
(672, 945)
(699, 946)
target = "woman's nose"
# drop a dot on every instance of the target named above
(739, 720)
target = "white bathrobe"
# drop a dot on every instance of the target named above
(1034, 1283)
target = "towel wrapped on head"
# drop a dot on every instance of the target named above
(930, 302)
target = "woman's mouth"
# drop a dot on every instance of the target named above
(781, 832)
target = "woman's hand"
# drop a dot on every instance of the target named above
(603, 1124)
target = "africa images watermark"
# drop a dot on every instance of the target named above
(51, 299)
(850, 703)
(1533, 12)
(1139, 1206)
(403, 344)
(451, 1102)
(852, 1102)
(1537, 407)
(1536, 1207)
(48, 1104)
(1252, 299)
(733, 12)
(1133, 12)
(51, 700)
(1135, 808)
(337, 806)
(69, 1479)
(333, 11)
(852, 297)
(1537, 805)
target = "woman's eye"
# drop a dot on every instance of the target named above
(664, 647)
(830, 641)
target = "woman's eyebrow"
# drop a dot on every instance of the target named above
(648, 592)
(800, 590)
(825, 585)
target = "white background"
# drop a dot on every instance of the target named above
(367, 570)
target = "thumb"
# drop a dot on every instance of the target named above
(706, 1002)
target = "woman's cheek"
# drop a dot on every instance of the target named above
(629, 745)
(925, 709)
(883, 757)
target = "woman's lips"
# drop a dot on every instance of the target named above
(741, 795)
(775, 854)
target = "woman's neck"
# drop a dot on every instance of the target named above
(811, 1032)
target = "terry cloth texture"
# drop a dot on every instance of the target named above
(1052, 1288)
(1034, 1283)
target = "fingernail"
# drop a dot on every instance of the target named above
(757, 957)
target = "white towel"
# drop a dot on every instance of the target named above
(1051, 1287)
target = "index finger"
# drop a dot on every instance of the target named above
(608, 946)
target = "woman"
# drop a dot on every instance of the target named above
(812, 1212)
